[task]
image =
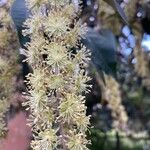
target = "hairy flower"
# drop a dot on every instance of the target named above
(74, 35)
(46, 140)
(35, 4)
(83, 56)
(82, 122)
(37, 100)
(57, 82)
(36, 79)
(77, 141)
(56, 24)
(56, 54)
(33, 24)
(71, 106)
(81, 82)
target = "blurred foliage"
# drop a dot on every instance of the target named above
(128, 12)
(131, 72)
(110, 140)
(8, 61)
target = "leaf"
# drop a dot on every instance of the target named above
(103, 46)
(116, 6)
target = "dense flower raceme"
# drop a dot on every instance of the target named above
(113, 97)
(59, 79)
(8, 60)
(142, 65)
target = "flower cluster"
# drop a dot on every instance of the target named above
(8, 60)
(141, 65)
(113, 97)
(59, 78)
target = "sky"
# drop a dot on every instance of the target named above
(146, 42)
